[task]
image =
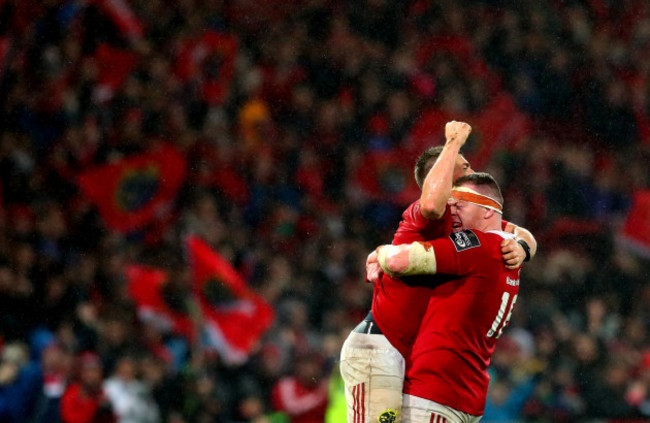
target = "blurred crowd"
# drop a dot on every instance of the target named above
(276, 106)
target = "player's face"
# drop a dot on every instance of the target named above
(461, 167)
(465, 215)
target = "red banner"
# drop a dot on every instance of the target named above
(145, 286)
(636, 229)
(134, 191)
(235, 318)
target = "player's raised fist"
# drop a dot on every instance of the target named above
(457, 131)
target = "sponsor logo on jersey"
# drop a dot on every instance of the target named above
(512, 282)
(465, 240)
(388, 416)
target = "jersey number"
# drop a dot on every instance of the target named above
(497, 327)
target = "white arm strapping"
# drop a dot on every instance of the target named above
(382, 253)
(418, 261)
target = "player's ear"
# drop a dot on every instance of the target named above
(488, 213)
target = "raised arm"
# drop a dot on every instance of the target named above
(436, 188)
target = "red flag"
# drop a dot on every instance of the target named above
(136, 190)
(122, 16)
(388, 176)
(636, 229)
(145, 287)
(209, 58)
(235, 317)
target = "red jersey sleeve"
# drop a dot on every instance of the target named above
(457, 254)
(415, 227)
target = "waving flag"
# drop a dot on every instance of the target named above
(235, 318)
(145, 286)
(136, 190)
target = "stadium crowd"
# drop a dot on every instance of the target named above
(279, 108)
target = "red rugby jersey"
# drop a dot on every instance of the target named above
(398, 305)
(464, 319)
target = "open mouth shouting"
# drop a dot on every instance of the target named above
(456, 224)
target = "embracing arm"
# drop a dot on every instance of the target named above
(407, 259)
(513, 251)
(420, 257)
(436, 188)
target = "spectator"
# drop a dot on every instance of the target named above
(130, 398)
(84, 400)
(19, 383)
(56, 366)
(303, 395)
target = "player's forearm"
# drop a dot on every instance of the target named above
(407, 259)
(436, 188)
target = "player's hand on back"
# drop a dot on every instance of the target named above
(457, 131)
(513, 253)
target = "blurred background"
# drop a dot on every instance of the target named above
(189, 190)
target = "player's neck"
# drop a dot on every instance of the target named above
(492, 224)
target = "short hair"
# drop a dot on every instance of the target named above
(485, 184)
(425, 162)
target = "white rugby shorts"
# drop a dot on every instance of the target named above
(420, 410)
(373, 374)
